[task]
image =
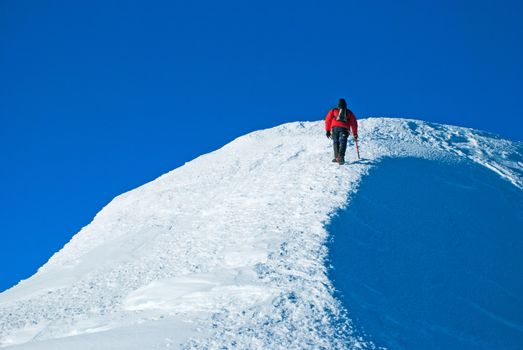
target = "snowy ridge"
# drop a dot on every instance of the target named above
(226, 251)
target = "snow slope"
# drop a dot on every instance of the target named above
(226, 251)
(436, 266)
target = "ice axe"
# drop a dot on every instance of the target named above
(357, 148)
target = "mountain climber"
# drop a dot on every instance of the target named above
(338, 122)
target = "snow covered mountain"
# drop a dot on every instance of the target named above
(229, 250)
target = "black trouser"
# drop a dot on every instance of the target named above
(339, 141)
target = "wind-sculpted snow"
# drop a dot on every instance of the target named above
(227, 251)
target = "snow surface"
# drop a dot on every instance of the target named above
(227, 251)
(437, 266)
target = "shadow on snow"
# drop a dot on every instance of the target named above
(428, 255)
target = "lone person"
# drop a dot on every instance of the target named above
(338, 122)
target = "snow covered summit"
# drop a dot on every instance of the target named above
(226, 251)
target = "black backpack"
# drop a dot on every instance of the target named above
(342, 115)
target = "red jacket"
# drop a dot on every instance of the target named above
(351, 123)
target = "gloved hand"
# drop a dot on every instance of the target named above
(355, 137)
(328, 134)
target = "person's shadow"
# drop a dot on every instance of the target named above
(362, 161)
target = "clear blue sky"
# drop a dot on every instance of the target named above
(98, 97)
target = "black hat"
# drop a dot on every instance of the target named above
(342, 103)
